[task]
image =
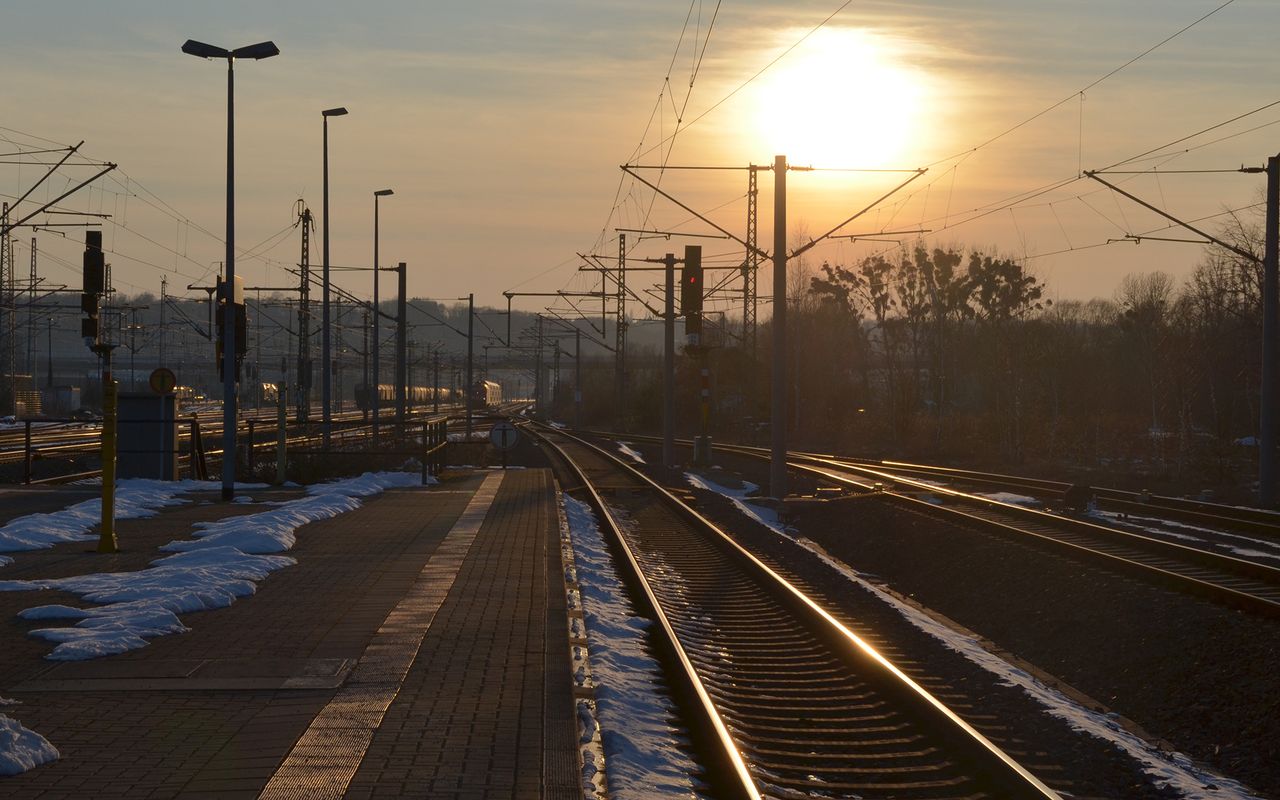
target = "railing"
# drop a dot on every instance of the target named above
(197, 443)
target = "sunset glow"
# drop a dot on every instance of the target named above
(845, 98)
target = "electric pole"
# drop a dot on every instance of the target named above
(164, 300)
(402, 347)
(669, 364)
(577, 378)
(368, 395)
(435, 381)
(469, 389)
(1270, 309)
(620, 336)
(302, 394)
(31, 316)
(778, 412)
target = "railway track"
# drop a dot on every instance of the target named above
(1241, 583)
(791, 702)
(1255, 521)
(1217, 516)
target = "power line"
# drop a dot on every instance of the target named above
(1194, 135)
(1084, 89)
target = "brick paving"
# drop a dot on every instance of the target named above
(485, 709)
(18, 502)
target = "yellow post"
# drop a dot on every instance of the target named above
(107, 539)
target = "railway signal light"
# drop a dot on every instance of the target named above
(91, 285)
(691, 280)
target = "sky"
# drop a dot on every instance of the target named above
(501, 127)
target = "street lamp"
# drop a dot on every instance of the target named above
(376, 313)
(256, 52)
(326, 391)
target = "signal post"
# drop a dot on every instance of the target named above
(92, 286)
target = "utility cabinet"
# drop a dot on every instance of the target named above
(147, 436)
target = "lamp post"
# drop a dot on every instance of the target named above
(326, 398)
(257, 52)
(376, 313)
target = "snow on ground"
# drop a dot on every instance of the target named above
(630, 452)
(1167, 769)
(476, 436)
(1011, 498)
(644, 756)
(593, 779)
(135, 498)
(21, 748)
(222, 563)
(1171, 529)
(12, 424)
(765, 516)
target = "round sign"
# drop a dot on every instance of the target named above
(163, 380)
(503, 435)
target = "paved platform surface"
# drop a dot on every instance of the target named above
(417, 649)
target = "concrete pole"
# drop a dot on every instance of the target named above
(469, 389)
(537, 371)
(669, 365)
(368, 401)
(229, 310)
(778, 412)
(375, 400)
(1270, 329)
(402, 347)
(577, 379)
(326, 358)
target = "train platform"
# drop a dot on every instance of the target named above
(418, 648)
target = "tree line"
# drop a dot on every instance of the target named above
(958, 354)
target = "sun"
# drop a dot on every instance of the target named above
(846, 97)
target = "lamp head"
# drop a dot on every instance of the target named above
(257, 51)
(334, 112)
(201, 50)
(383, 193)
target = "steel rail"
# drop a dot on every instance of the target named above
(1218, 515)
(1241, 518)
(1238, 583)
(781, 736)
(1261, 595)
(1235, 582)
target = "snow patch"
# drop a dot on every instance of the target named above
(1200, 536)
(1011, 499)
(630, 452)
(135, 498)
(22, 749)
(224, 563)
(644, 756)
(765, 516)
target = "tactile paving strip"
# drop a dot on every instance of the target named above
(326, 757)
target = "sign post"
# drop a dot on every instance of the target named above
(162, 380)
(504, 436)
